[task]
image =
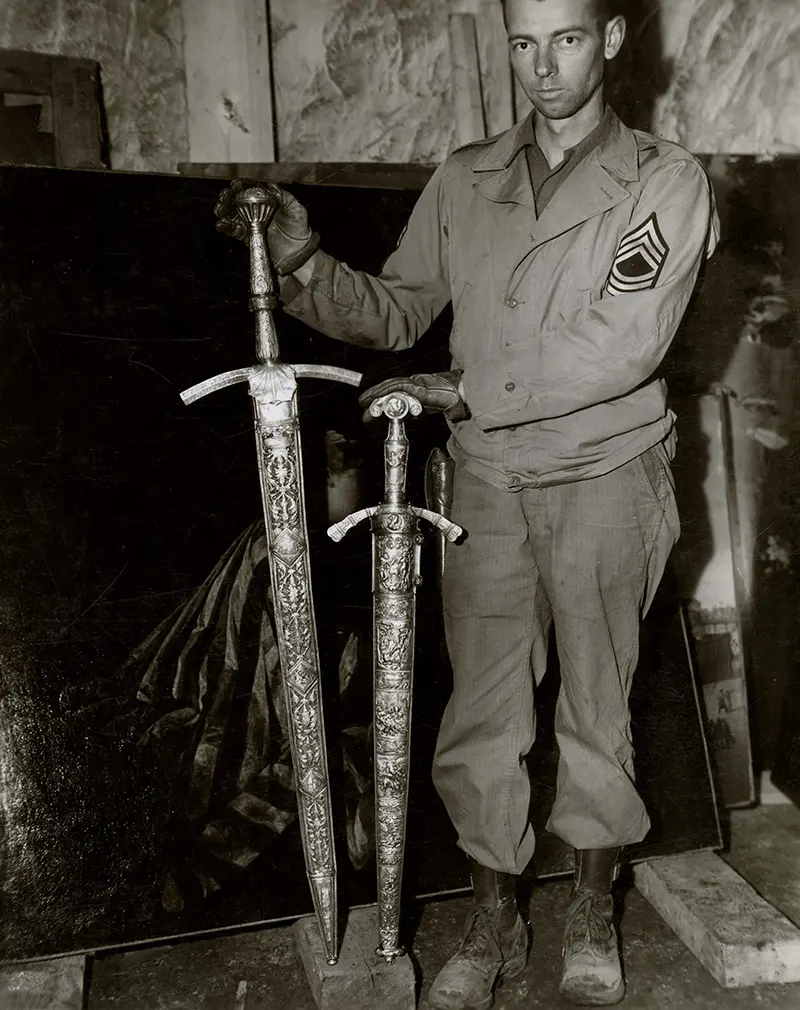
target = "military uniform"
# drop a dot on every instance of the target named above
(567, 289)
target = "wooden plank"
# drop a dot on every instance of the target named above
(360, 980)
(76, 114)
(466, 79)
(59, 984)
(228, 81)
(737, 935)
(25, 73)
(367, 174)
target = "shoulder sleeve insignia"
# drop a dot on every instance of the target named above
(640, 259)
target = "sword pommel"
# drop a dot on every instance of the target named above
(256, 206)
(396, 406)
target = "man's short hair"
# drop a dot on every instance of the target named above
(604, 10)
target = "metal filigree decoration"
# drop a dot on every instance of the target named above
(395, 547)
(273, 388)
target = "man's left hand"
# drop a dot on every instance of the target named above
(438, 391)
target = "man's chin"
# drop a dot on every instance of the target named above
(556, 106)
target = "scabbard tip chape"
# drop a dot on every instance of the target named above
(390, 954)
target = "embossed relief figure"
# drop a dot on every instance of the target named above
(569, 247)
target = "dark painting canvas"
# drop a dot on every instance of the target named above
(145, 776)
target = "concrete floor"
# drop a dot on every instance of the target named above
(661, 972)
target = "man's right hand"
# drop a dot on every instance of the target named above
(290, 239)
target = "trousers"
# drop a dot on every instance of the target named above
(584, 558)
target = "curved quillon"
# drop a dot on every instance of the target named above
(329, 372)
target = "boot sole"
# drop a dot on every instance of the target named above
(599, 999)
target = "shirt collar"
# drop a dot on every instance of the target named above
(615, 144)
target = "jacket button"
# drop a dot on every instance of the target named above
(510, 387)
(512, 303)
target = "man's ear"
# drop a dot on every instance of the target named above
(614, 36)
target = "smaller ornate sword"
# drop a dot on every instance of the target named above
(273, 388)
(396, 543)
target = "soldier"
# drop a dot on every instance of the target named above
(569, 247)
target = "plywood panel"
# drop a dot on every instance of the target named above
(228, 80)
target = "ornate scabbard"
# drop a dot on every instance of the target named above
(396, 542)
(273, 388)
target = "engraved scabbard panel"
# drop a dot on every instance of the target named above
(280, 469)
(394, 544)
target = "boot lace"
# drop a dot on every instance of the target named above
(589, 925)
(482, 941)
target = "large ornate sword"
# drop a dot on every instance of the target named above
(273, 388)
(396, 543)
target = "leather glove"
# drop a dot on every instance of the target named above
(436, 392)
(290, 240)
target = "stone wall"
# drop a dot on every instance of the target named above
(369, 80)
(735, 77)
(139, 46)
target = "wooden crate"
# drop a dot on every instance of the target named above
(66, 92)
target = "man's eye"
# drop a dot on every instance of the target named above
(520, 47)
(569, 41)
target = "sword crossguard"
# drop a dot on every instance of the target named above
(329, 372)
(449, 530)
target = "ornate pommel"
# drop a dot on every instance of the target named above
(256, 206)
(395, 406)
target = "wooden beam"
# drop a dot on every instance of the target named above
(738, 936)
(372, 174)
(360, 980)
(228, 81)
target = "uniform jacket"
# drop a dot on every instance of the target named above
(560, 322)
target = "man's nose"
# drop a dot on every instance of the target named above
(544, 64)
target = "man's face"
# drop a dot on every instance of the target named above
(558, 52)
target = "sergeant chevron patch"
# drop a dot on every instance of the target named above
(639, 260)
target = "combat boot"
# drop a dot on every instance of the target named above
(494, 947)
(592, 974)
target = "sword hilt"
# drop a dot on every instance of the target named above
(395, 406)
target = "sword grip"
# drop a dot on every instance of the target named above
(256, 207)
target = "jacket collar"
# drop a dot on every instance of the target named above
(504, 175)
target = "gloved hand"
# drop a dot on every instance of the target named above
(438, 391)
(290, 240)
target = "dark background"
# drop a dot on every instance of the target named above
(115, 294)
